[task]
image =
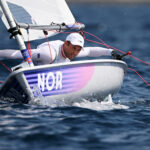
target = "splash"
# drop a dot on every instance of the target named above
(100, 106)
(45, 101)
(107, 104)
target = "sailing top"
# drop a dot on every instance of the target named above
(59, 51)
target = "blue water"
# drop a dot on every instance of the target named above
(122, 125)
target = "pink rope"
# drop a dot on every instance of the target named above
(49, 48)
(5, 66)
(104, 44)
(140, 76)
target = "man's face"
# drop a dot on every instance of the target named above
(71, 51)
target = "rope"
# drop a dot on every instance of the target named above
(140, 76)
(1, 82)
(51, 61)
(108, 46)
(29, 45)
(5, 66)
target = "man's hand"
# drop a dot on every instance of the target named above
(116, 55)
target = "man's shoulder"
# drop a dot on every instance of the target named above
(51, 43)
(56, 42)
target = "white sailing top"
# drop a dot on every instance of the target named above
(52, 52)
(54, 49)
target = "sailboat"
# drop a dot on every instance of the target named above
(69, 82)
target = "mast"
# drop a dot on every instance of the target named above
(15, 32)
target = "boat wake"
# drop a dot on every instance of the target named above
(93, 105)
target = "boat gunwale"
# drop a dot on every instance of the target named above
(69, 64)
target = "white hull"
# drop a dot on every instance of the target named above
(66, 81)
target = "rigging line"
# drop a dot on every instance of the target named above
(51, 60)
(93, 41)
(29, 45)
(128, 55)
(94, 36)
(5, 66)
(105, 45)
(140, 76)
(108, 46)
(139, 60)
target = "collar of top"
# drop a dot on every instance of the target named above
(62, 53)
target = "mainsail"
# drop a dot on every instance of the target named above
(39, 12)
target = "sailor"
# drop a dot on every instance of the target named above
(59, 51)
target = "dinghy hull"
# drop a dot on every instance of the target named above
(69, 82)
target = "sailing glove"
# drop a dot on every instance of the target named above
(116, 55)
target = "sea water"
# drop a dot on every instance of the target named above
(119, 123)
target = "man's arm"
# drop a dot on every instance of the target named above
(95, 52)
(11, 54)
